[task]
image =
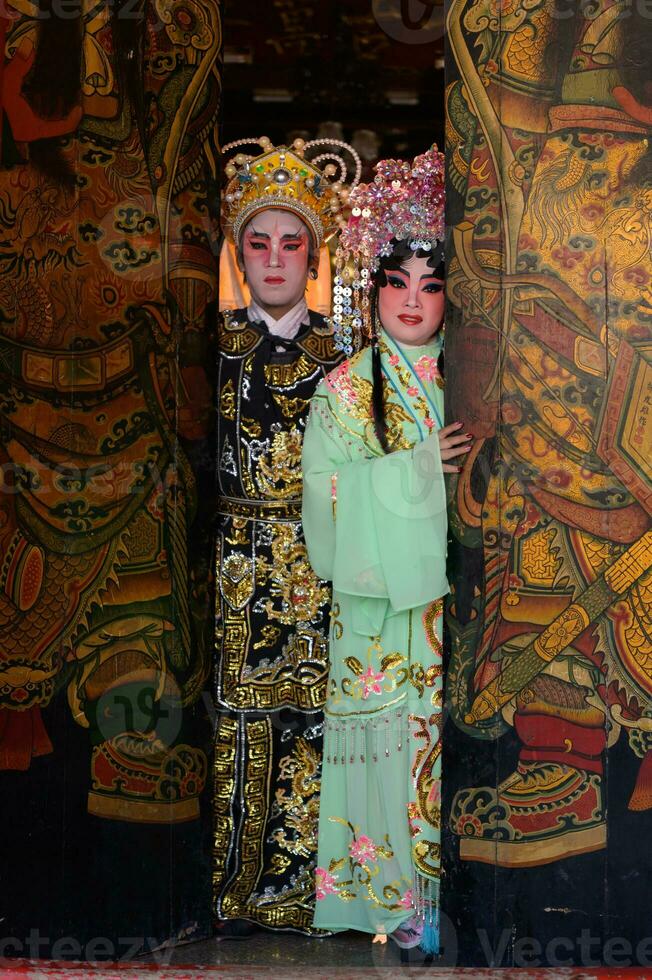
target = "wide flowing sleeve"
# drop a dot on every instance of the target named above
(324, 454)
(376, 527)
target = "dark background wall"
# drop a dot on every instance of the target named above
(336, 69)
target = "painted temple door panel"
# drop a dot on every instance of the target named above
(549, 362)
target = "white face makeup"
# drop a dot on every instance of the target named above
(411, 304)
(275, 254)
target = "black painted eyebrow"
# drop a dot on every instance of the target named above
(263, 234)
(427, 275)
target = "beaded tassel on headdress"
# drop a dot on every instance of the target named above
(405, 202)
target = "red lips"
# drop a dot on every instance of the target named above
(274, 280)
(411, 320)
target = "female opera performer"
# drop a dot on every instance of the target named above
(374, 515)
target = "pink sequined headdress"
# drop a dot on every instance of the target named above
(405, 202)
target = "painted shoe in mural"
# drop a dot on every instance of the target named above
(138, 778)
(543, 812)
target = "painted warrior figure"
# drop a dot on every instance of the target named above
(550, 150)
(107, 264)
(273, 611)
(375, 519)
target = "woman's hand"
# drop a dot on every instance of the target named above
(452, 443)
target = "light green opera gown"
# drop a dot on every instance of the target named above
(376, 527)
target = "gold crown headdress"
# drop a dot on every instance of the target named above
(292, 179)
